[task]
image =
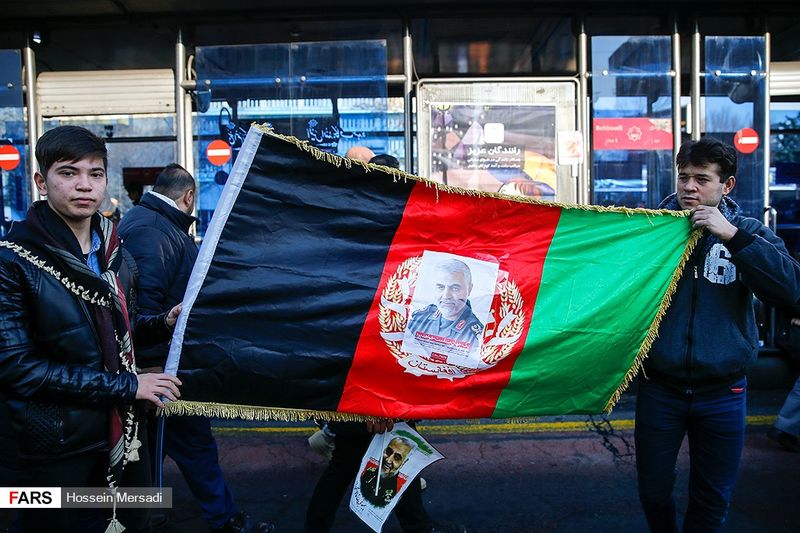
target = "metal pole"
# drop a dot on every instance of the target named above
(676, 99)
(180, 102)
(32, 110)
(187, 129)
(695, 96)
(583, 189)
(766, 123)
(408, 88)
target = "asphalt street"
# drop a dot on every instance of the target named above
(569, 474)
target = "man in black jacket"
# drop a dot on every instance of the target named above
(156, 232)
(693, 381)
(67, 369)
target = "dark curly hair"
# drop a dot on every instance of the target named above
(708, 150)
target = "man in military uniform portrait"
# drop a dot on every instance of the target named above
(451, 318)
(388, 483)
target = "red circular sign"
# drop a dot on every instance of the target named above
(218, 152)
(746, 140)
(9, 157)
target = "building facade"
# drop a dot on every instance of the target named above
(578, 102)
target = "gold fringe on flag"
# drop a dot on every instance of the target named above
(253, 412)
(652, 333)
(282, 414)
(397, 174)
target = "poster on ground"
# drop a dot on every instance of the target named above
(392, 461)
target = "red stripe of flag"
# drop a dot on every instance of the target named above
(377, 384)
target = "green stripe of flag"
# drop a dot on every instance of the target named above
(603, 283)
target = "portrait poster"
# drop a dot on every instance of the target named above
(505, 148)
(449, 308)
(392, 461)
(570, 147)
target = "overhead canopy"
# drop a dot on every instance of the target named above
(37, 9)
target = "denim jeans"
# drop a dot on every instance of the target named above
(789, 417)
(714, 420)
(189, 442)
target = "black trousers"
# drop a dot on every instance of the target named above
(83, 470)
(352, 441)
(189, 442)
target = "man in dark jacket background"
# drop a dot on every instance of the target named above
(67, 370)
(693, 380)
(156, 233)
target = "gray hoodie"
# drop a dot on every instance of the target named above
(709, 334)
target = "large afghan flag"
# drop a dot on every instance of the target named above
(326, 287)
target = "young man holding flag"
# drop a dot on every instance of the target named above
(67, 367)
(693, 380)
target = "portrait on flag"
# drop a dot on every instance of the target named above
(450, 307)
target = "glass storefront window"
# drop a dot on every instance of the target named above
(14, 191)
(632, 137)
(540, 46)
(785, 171)
(331, 94)
(735, 96)
(260, 32)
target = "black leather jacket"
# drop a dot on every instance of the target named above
(51, 366)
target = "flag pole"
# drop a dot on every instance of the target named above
(380, 464)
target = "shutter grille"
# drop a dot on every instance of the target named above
(106, 92)
(784, 78)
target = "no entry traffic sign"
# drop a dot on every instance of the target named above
(746, 140)
(218, 152)
(9, 157)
